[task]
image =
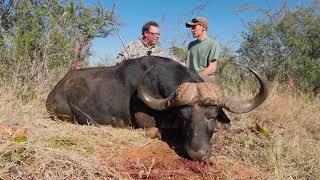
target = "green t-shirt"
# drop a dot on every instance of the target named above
(201, 52)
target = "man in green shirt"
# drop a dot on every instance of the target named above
(202, 57)
(204, 51)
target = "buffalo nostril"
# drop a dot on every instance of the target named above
(201, 155)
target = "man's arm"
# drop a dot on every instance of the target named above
(213, 62)
(124, 54)
(120, 58)
(210, 70)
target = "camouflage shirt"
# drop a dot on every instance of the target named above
(139, 48)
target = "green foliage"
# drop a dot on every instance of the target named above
(287, 47)
(179, 53)
(261, 130)
(88, 151)
(233, 77)
(20, 139)
(262, 49)
(63, 142)
(42, 37)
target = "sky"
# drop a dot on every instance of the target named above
(227, 19)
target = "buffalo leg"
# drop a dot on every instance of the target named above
(143, 120)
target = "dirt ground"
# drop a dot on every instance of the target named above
(157, 160)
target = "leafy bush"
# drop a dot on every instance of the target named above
(42, 37)
(285, 46)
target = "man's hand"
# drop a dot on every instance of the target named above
(210, 70)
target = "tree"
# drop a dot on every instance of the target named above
(42, 37)
(45, 36)
(286, 46)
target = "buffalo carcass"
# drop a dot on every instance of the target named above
(174, 96)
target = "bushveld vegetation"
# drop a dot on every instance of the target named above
(41, 40)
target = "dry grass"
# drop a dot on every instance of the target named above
(33, 146)
(291, 149)
(54, 148)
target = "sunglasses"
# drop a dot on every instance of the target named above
(154, 34)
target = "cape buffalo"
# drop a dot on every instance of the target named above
(175, 97)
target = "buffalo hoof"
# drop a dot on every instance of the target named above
(153, 133)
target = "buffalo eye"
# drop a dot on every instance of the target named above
(212, 123)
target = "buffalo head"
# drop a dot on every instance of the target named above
(198, 105)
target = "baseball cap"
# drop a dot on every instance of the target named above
(198, 20)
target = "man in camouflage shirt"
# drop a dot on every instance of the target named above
(146, 46)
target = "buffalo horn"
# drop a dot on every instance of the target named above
(243, 106)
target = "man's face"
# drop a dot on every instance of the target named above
(152, 36)
(197, 30)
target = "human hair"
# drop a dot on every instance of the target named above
(147, 25)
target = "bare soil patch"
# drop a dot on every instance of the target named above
(157, 160)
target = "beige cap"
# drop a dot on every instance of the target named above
(198, 20)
